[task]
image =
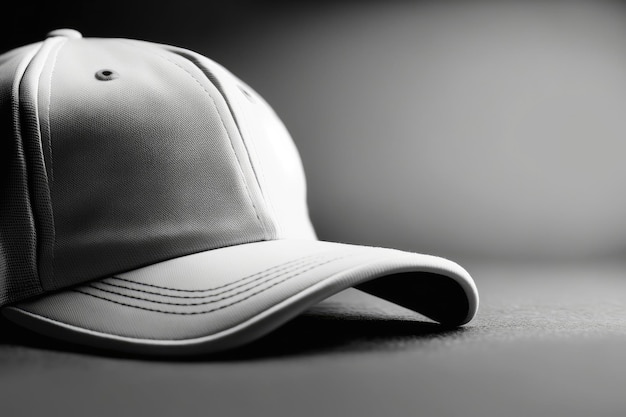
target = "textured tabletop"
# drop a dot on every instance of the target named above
(549, 340)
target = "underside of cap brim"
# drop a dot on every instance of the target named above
(223, 298)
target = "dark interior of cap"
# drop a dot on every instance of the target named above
(437, 297)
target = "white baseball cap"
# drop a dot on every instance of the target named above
(153, 203)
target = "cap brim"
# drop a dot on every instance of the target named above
(222, 298)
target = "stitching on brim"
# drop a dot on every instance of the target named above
(213, 309)
(258, 284)
(241, 284)
(219, 287)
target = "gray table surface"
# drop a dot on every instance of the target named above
(549, 340)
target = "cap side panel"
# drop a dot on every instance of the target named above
(144, 166)
(18, 53)
(18, 236)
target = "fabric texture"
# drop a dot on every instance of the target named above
(18, 236)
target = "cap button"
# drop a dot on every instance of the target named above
(68, 33)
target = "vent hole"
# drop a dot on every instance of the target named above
(106, 75)
(246, 93)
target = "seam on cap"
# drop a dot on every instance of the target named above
(50, 148)
(49, 138)
(278, 267)
(39, 183)
(213, 309)
(15, 100)
(243, 176)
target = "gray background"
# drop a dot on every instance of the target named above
(491, 133)
(465, 129)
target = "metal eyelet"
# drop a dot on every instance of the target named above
(106, 75)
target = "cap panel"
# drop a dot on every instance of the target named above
(242, 152)
(144, 165)
(18, 237)
(273, 154)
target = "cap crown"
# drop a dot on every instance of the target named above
(117, 154)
